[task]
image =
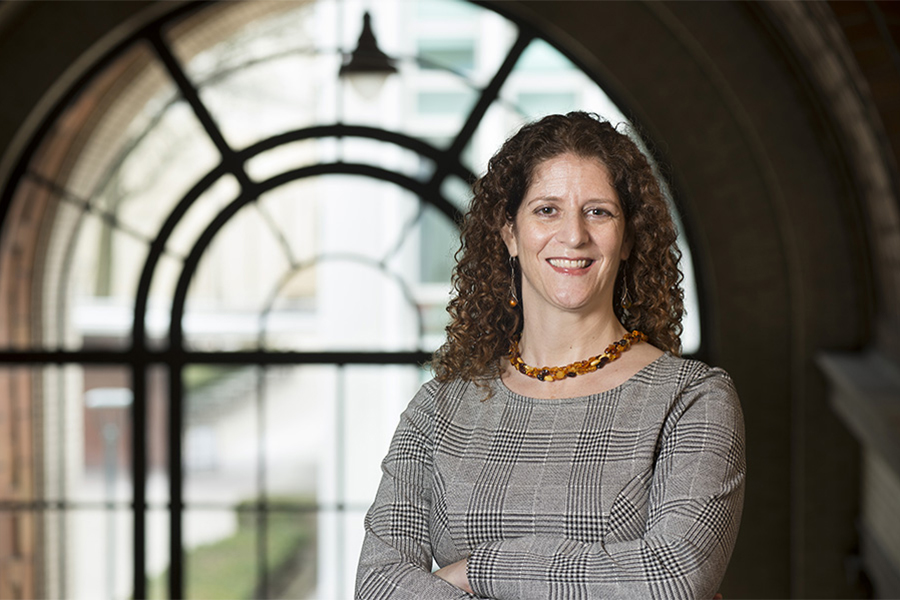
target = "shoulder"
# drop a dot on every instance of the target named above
(699, 391)
(683, 374)
(682, 383)
(446, 396)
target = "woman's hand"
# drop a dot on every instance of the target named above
(455, 574)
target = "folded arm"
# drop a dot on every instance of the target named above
(396, 556)
(693, 515)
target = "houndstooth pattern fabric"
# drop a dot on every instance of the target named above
(631, 493)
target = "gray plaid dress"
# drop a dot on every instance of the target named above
(635, 492)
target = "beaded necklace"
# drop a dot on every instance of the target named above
(580, 367)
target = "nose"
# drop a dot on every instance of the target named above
(573, 230)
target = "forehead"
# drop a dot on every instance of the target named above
(568, 171)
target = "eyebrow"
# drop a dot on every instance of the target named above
(550, 198)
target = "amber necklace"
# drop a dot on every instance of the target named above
(580, 367)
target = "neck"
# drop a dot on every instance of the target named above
(564, 338)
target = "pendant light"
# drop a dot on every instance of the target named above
(367, 67)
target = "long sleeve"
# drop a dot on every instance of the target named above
(692, 514)
(396, 557)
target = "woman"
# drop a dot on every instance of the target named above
(618, 474)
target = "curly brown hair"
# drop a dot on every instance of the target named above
(482, 320)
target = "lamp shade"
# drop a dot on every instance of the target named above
(367, 67)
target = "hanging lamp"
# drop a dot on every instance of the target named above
(367, 67)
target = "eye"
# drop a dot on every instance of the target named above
(546, 210)
(599, 212)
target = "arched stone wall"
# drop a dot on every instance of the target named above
(776, 206)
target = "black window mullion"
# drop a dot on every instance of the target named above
(488, 95)
(139, 477)
(127, 358)
(340, 476)
(192, 96)
(158, 248)
(262, 512)
(176, 484)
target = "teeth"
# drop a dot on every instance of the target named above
(563, 263)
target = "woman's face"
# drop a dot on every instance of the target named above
(569, 235)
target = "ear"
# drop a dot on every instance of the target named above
(509, 238)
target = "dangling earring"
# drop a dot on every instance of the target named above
(625, 301)
(513, 300)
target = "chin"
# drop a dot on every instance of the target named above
(577, 305)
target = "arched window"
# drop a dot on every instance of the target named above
(223, 268)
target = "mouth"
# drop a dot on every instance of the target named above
(566, 263)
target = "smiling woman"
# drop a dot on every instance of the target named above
(620, 475)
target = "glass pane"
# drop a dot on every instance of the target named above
(169, 267)
(163, 163)
(458, 192)
(52, 554)
(221, 437)
(156, 431)
(368, 407)
(134, 94)
(446, 10)
(540, 58)
(338, 553)
(455, 54)
(439, 239)
(290, 156)
(107, 436)
(102, 279)
(430, 247)
(157, 553)
(325, 431)
(387, 156)
(363, 217)
(99, 561)
(220, 554)
(157, 521)
(298, 430)
(226, 553)
(545, 103)
(444, 103)
(255, 64)
(291, 554)
(56, 276)
(296, 211)
(234, 280)
(460, 36)
(358, 306)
